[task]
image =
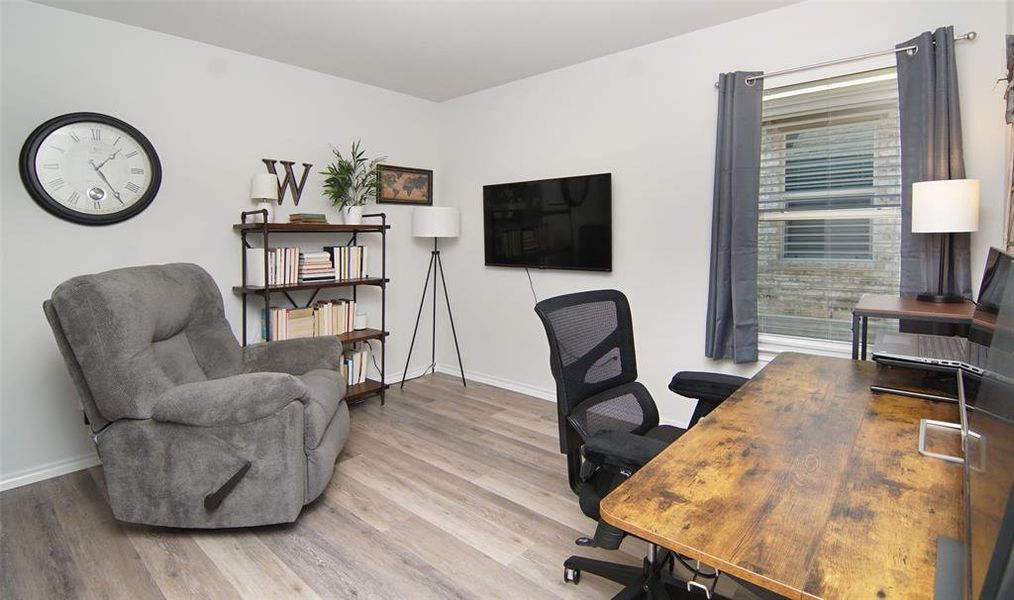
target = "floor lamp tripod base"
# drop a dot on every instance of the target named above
(436, 268)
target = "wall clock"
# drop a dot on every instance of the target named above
(90, 168)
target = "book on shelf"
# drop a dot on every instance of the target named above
(326, 317)
(255, 267)
(354, 365)
(314, 218)
(282, 266)
(349, 261)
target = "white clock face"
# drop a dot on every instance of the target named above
(93, 168)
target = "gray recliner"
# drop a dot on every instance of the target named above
(194, 430)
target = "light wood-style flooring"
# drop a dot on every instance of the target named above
(445, 492)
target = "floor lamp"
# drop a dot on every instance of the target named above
(435, 222)
(945, 207)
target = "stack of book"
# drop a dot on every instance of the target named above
(316, 218)
(349, 261)
(354, 366)
(315, 266)
(328, 317)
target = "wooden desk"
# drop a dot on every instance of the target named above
(898, 307)
(805, 483)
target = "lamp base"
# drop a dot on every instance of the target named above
(939, 298)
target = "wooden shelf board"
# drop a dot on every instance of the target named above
(364, 389)
(362, 335)
(310, 228)
(313, 285)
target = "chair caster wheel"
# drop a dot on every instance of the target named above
(584, 541)
(571, 575)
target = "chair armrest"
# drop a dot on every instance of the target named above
(702, 385)
(229, 400)
(294, 357)
(622, 450)
(710, 389)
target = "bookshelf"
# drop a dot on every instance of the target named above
(250, 292)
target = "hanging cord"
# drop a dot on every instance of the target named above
(531, 285)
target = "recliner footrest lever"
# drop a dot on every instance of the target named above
(213, 500)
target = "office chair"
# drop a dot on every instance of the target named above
(609, 427)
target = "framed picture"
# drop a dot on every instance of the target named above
(404, 185)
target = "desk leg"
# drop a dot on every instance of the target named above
(855, 336)
(866, 326)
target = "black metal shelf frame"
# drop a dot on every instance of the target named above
(263, 227)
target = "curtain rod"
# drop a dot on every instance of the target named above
(911, 50)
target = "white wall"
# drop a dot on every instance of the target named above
(648, 116)
(211, 114)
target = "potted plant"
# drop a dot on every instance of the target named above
(351, 181)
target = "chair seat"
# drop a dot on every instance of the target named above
(326, 391)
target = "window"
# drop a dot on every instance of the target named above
(830, 196)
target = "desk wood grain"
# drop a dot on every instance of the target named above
(806, 483)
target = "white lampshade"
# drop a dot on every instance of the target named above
(264, 186)
(946, 206)
(436, 221)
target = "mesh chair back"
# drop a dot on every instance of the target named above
(591, 347)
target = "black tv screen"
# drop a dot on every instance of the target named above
(563, 223)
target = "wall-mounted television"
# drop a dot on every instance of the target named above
(563, 223)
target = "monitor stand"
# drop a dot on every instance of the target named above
(950, 569)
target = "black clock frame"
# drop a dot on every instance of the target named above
(33, 185)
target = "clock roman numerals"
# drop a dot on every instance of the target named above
(97, 205)
(74, 136)
(57, 183)
(132, 187)
(117, 140)
(136, 171)
(131, 154)
(51, 166)
(74, 197)
(96, 134)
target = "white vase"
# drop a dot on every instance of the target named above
(353, 215)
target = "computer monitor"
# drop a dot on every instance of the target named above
(988, 440)
(994, 274)
(994, 279)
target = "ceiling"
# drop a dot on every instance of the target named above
(436, 50)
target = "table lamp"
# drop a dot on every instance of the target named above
(435, 222)
(945, 207)
(264, 191)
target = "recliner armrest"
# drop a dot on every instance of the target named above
(295, 357)
(622, 450)
(229, 400)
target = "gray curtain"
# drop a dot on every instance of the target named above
(930, 149)
(732, 292)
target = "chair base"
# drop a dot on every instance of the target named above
(654, 580)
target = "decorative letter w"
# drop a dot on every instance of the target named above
(290, 179)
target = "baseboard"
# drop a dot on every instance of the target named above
(48, 471)
(506, 384)
(412, 373)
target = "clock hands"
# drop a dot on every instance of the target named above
(103, 176)
(111, 157)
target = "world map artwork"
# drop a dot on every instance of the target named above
(401, 186)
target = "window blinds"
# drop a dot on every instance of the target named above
(829, 203)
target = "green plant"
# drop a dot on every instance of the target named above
(352, 180)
